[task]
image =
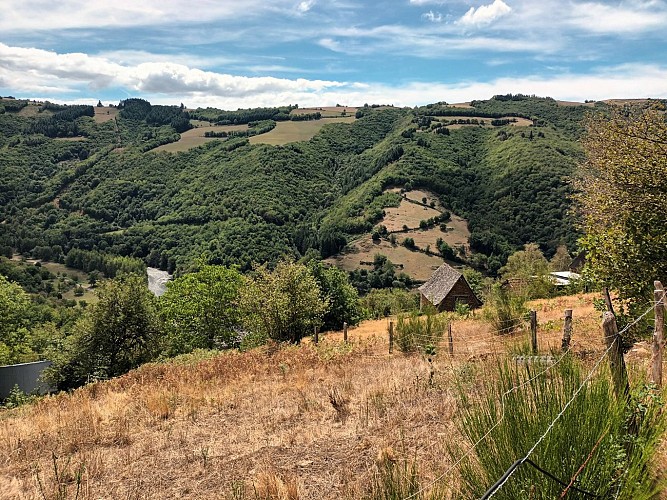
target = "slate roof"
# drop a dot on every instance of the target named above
(440, 284)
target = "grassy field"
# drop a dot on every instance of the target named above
(407, 214)
(195, 136)
(105, 114)
(520, 122)
(65, 273)
(286, 132)
(283, 133)
(416, 264)
(327, 112)
(305, 422)
(33, 110)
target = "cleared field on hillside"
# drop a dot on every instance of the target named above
(105, 114)
(329, 112)
(418, 265)
(308, 419)
(408, 214)
(520, 122)
(33, 110)
(457, 235)
(286, 132)
(70, 139)
(195, 137)
(76, 275)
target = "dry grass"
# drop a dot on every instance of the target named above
(32, 109)
(302, 422)
(408, 214)
(286, 132)
(195, 136)
(418, 265)
(327, 112)
(105, 114)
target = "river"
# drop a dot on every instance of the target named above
(157, 280)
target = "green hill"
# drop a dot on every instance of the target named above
(70, 182)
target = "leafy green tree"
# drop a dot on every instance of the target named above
(201, 310)
(284, 304)
(525, 264)
(561, 260)
(117, 334)
(530, 266)
(337, 290)
(14, 307)
(621, 198)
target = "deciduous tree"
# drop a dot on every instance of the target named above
(622, 190)
(284, 304)
(201, 309)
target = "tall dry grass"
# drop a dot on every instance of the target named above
(301, 422)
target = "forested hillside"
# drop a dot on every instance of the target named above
(70, 182)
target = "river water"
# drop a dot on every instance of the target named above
(157, 280)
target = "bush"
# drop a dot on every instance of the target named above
(617, 463)
(505, 310)
(387, 302)
(415, 332)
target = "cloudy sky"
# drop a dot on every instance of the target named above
(243, 53)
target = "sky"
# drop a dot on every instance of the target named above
(246, 53)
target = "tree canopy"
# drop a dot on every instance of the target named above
(622, 189)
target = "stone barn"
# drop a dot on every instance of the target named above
(445, 289)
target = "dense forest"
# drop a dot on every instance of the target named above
(108, 194)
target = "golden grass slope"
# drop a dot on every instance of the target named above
(304, 422)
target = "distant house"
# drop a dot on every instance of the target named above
(563, 278)
(445, 289)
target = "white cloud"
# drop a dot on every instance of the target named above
(434, 17)
(57, 77)
(305, 6)
(46, 15)
(485, 14)
(604, 18)
(36, 70)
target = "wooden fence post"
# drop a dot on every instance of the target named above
(607, 300)
(533, 330)
(317, 334)
(345, 331)
(567, 330)
(391, 337)
(451, 340)
(656, 358)
(613, 342)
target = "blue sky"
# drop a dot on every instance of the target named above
(243, 53)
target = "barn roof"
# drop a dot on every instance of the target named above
(440, 284)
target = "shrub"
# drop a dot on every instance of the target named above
(505, 310)
(415, 332)
(616, 461)
(387, 302)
